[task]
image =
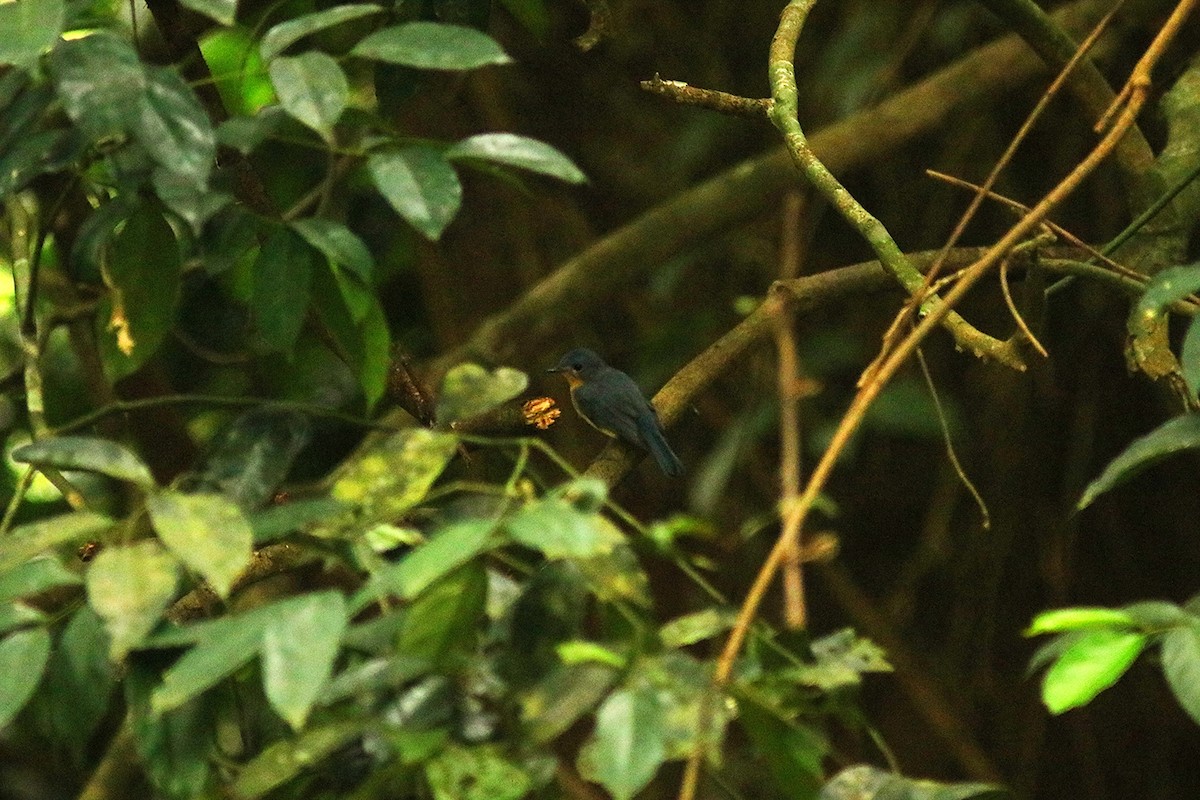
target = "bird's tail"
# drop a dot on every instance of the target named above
(656, 443)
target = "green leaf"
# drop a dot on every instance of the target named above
(446, 550)
(26, 541)
(512, 150)
(1189, 356)
(475, 773)
(842, 658)
(867, 782)
(581, 652)
(1181, 666)
(206, 531)
(696, 627)
(129, 587)
(1166, 287)
(469, 389)
(441, 626)
(224, 646)
(1080, 618)
(100, 81)
(532, 14)
(87, 453)
(396, 473)
(558, 530)
(275, 522)
(36, 154)
(34, 577)
(431, 45)
(250, 456)
(23, 657)
(626, 748)
(339, 244)
(285, 34)
(19, 615)
(1152, 616)
(31, 27)
(1089, 666)
(312, 88)
(298, 650)
(144, 273)
(792, 751)
(376, 353)
(173, 747)
(560, 699)
(173, 126)
(282, 286)
(1173, 436)
(79, 669)
(223, 11)
(287, 758)
(419, 184)
(239, 74)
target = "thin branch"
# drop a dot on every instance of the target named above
(723, 102)
(784, 117)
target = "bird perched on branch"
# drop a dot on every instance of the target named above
(612, 403)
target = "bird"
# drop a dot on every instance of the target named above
(612, 403)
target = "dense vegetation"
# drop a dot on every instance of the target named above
(294, 510)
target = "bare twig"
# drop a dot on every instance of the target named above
(685, 95)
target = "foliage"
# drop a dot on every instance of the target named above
(1094, 647)
(226, 569)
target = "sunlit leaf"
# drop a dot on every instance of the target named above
(431, 45)
(513, 150)
(238, 71)
(627, 746)
(581, 652)
(312, 88)
(469, 389)
(419, 184)
(130, 586)
(1090, 665)
(1181, 666)
(285, 34)
(30, 27)
(299, 646)
(23, 657)
(87, 453)
(395, 473)
(1173, 436)
(206, 531)
(339, 244)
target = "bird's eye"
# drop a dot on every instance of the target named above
(576, 367)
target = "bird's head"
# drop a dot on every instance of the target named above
(578, 366)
